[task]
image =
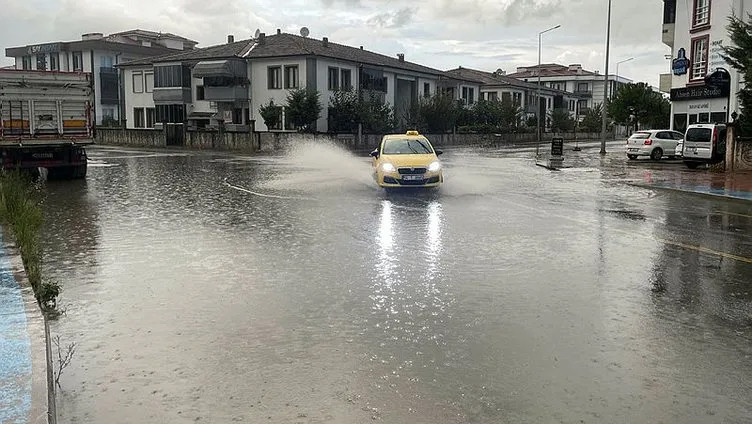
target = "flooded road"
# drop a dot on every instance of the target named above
(220, 288)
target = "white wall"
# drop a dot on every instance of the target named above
(431, 83)
(261, 94)
(322, 84)
(132, 99)
(198, 105)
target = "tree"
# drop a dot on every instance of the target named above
(592, 121)
(349, 108)
(303, 108)
(271, 114)
(436, 114)
(561, 121)
(738, 56)
(638, 103)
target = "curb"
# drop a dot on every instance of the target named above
(698, 193)
(42, 387)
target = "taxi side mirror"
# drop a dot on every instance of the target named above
(439, 152)
(375, 153)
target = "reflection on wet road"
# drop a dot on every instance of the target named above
(220, 288)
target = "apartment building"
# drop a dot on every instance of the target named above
(696, 32)
(99, 55)
(587, 85)
(499, 86)
(228, 83)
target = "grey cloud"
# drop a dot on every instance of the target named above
(396, 19)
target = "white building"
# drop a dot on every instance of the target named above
(498, 86)
(228, 83)
(99, 55)
(587, 85)
(696, 32)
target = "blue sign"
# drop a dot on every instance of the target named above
(680, 65)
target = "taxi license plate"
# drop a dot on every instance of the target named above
(412, 177)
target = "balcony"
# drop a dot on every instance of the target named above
(172, 95)
(668, 34)
(583, 93)
(233, 93)
(109, 86)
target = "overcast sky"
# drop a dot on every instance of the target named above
(482, 34)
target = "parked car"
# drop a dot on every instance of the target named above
(679, 152)
(653, 143)
(406, 160)
(704, 143)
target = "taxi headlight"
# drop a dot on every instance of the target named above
(434, 166)
(388, 167)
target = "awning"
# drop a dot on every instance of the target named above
(214, 68)
(201, 115)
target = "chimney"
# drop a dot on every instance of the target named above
(92, 36)
(279, 31)
(576, 67)
(261, 38)
(401, 57)
(230, 39)
(325, 40)
(361, 47)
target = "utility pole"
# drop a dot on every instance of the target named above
(604, 127)
(538, 100)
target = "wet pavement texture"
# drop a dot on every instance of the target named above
(220, 288)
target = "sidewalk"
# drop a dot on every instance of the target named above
(23, 361)
(734, 186)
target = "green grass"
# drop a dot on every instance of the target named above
(20, 210)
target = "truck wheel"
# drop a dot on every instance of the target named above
(79, 172)
(691, 165)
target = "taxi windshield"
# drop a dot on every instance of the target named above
(407, 146)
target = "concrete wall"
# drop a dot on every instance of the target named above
(275, 141)
(738, 152)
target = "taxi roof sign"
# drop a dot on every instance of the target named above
(413, 133)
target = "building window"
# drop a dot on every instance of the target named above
(549, 103)
(572, 105)
(582, 87)
(172, 76)
(494, 95)
(699, 57)
(150, 115)
(291, 76)
(138, 82)
(108, 114)
(468, 95)
(26, 62)
(41, 62)
(54, 62)
(333, 79)
(105, 61)
(701, 13)
(582, 106)
(78, 61)
(426, 90)
(517, 99)
(274, 77)
(174, 113)
(148, 82)
(138, 117)
(372, 79)
(200, 92)
(346, 79)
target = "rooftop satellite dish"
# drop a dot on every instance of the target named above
(257, 34)
(304, 32)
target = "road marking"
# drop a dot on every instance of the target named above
(732, 213)
(660, 240)
(270, 196)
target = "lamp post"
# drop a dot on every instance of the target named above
(604, 124)
(538, 100)
(617, 74)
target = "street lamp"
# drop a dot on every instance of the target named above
(538, 102)
(604, 124)
(617, 74)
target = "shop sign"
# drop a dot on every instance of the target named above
(680, 65)
(44, 48)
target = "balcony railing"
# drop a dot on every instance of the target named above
(583, 92)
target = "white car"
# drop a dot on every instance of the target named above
(653, 143)
(679, 149)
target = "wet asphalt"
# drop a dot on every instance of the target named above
(208, 287)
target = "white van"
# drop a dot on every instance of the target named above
(704, 143)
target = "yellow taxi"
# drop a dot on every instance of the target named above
(406, 160)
